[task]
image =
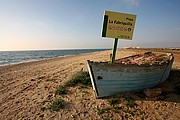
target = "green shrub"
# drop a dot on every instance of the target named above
(56, 105)
(102, 110)
(130, 103)
(128, 111)
(60, 90)
(80, 77)
(113, 101)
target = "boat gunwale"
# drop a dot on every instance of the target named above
(171, 59)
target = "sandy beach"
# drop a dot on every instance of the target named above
(26, 88)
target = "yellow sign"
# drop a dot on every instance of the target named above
(118, 25)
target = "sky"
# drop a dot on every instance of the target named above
(77, 24)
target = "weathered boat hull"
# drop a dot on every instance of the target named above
(110, 79)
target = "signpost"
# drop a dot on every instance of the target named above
(118, 25)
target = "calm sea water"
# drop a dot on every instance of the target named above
(11, 57)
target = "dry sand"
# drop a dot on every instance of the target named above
(26, 88)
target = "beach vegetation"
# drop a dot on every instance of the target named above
(130, 102)
(80, 77)
(129, 112)
(113, 101)
(116, 109)
(60, 90)
(56, 105)
(102, 110)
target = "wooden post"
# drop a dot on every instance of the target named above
(114, 50)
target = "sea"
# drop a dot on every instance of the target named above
(13, 57)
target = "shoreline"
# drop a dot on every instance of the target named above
(139, 49)
(27, 87)
(36, 60)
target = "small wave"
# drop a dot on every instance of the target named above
(14, 57)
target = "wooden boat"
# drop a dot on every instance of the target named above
(113, 78)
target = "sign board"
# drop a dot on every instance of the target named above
(118, 25)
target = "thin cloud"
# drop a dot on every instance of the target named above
(132, 2)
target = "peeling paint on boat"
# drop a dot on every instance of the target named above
(113, 78)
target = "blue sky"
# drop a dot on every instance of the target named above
(69, 24)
